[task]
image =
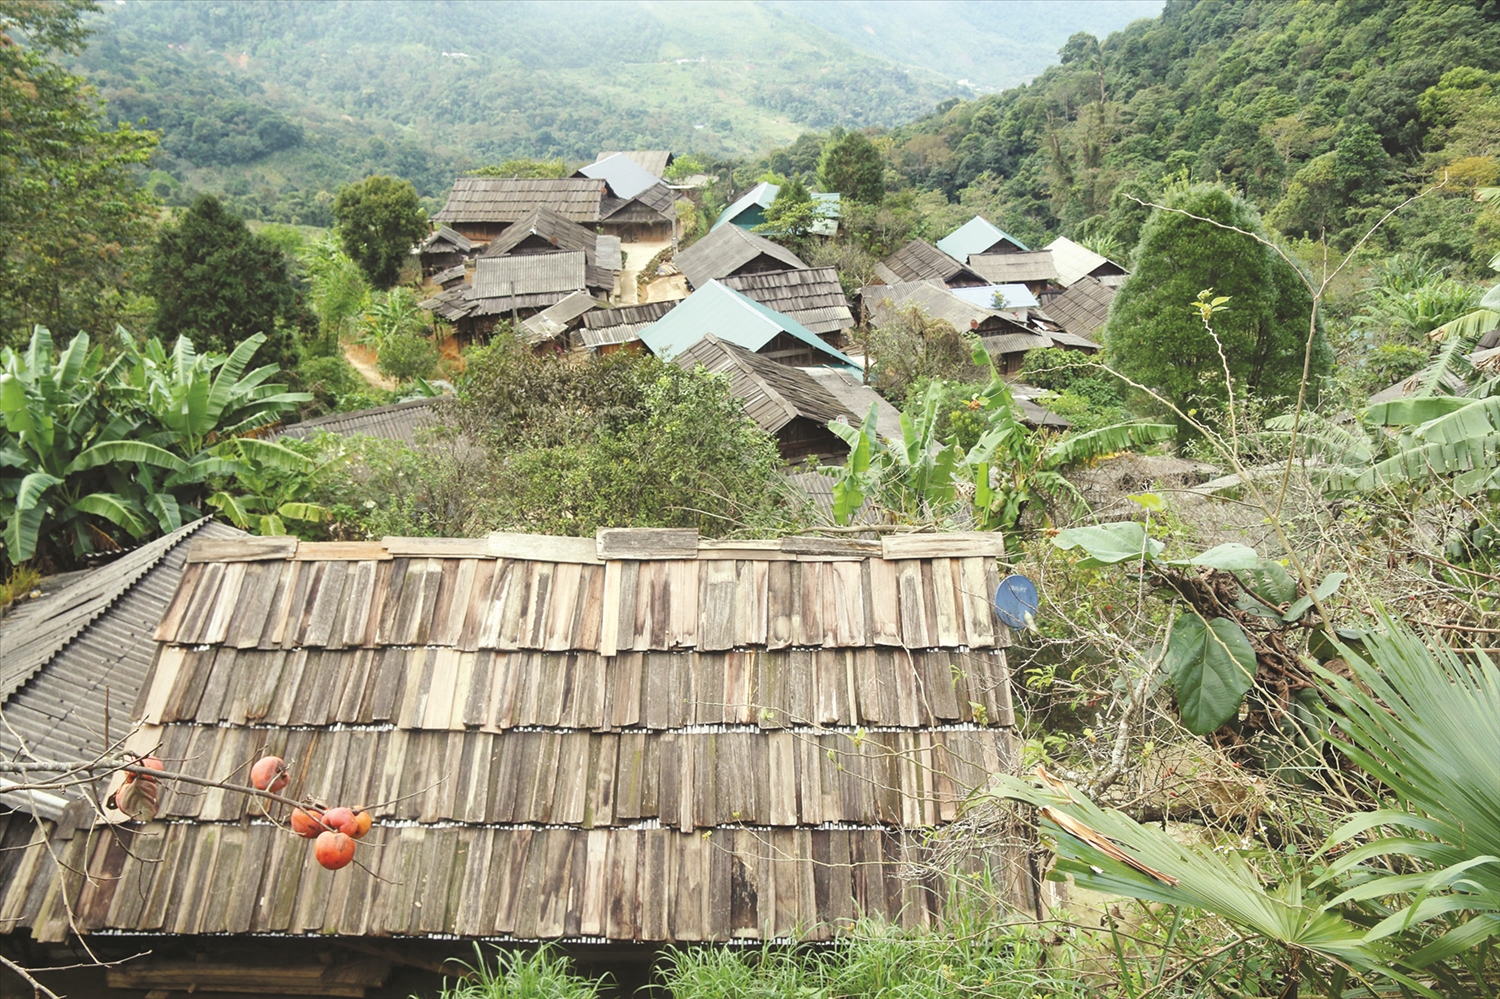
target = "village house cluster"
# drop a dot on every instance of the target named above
(592, 263)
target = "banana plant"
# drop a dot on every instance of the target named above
(273, 481)
(70, 469)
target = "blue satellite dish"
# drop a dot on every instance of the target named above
(1016, 602)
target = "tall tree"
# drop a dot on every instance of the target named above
(73, 220)
(219, 283)
(852, 166)
(1156, 338)
(379, 219)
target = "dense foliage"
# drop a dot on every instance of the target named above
(378, 220)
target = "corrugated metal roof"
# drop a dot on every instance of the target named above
(731, 316)
(725, 251)
(1075, 261)
(1009, 268)
(563, 740)
(529, 274)
(401, 421)
(653, 161)
(978, 235)
(759, 196)
(814, 297)
(559, 318)
(508, 199)
(773, 394)
(69, 658)
(626, 177)
(1015, 296)
(608, 253)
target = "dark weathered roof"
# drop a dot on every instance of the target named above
(528, 281)
(654, 161)
(508, 199)
(552, 229)
(401, 421)
(66, 654)
(454, 273)
(773, 394)
(812, 296)
(937, 301)
(445, 240)
(452, 304)
(1083, 308)
(1018, 268)
(718, 309)
(655, 203)
(609, 326)
(856, 398)
(727, 249)
(639, 737)
(919, 260)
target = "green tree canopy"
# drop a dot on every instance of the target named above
(1156, 339)
(852, 166)
(379, 219)
(219, 283)
(71, 212)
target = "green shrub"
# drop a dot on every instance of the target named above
(542, 974)
(405, 356)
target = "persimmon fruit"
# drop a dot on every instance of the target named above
(362, 824)
(269, 774)
(334, 850)
(340, 820)
(307, 824)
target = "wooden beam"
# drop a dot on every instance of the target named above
(954, 545)
(646, 543)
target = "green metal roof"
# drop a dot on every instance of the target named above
(763, 194)
(975, 236)
(733, 318)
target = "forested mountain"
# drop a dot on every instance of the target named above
(274, 103)
(1324, 115)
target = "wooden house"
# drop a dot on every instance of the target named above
(555, 324)
(979, 236)
(615, 743)
(510, 288)
(1083, 308)
(730, 250)
(813, 297)
(732, 316)
(749, 209)
(482, 208)
(784, 401)
(919, 260)
(1076, 262)
(607, 330)
(442, 250)
(546, 231)
(1036, 270)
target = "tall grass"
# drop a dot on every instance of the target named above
(541, 974)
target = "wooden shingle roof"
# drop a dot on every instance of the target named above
(1083, 308)
(728, 249)
(508, 199)
(1075, 261)
(654, 161)
(528, 281)
(635, 737)
(1014, 268)
(773, 394)
(919, 260)
(400, 421)
(812, 296)
(610, 326)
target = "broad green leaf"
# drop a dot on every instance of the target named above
(1108, 440)
(111, 452)
(226, 383)
(231, 508)
(1150, 501)
(1212, 666)
(113, 509)
(33, 487)
(1411, 412)
(271, 526)
(271, 454)
(21, 532)
(1107, 544)
(1326, 588)
(304, 511)
(1230, 557)
(164, 507)
(1270, 581)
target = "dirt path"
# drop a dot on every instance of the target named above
(363, 359)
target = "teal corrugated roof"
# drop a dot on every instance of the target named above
(732, 317)
(759, 196)
(975, 236)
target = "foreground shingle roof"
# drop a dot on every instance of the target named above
(637, 737)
